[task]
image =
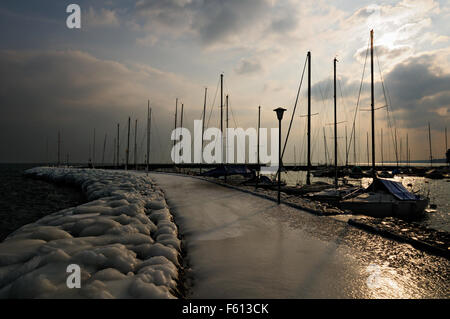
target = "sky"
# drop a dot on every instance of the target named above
(75, 81)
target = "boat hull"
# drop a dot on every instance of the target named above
(384, 208)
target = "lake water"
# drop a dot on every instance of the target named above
(437, 190)
(24, 200)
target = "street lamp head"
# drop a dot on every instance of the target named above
(280, 111)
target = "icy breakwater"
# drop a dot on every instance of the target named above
(124, 240)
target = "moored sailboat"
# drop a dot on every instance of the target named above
(383, 197)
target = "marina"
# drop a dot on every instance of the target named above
(210, 152)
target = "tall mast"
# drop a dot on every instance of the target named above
(308, 176)
(203, 125)
(409, 156)
(407, 148)
(226, 129)
(354, 145)
(381, 147)
(396, 144)
(221, 112)
(372, 96)
(135, 144)
(175, 127)
(114, 152)
(182, 113)
(429, 142)
(346, 147)
(325, 147)
(401, 150)
(259, 126)
(128, 145)
(446, 147)
(335, 129)
(118, 144)
(104, 147)
(149, 123)
(367, 139)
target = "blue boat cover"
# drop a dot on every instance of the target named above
(229, 170)
(396, 189)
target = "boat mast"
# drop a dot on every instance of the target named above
(381, 146)
(396, 145)
(203, 126)
(335, 129)
(354, 145)
(346, 147)
(114, 152)
(429, 142)
(401, 149)
(407, 150)
(221, 113)
(446, 139)
(135, 144)
(175, 127)
(259, 125)
(104, 147)
(367, 139)
(127, 153)
(149, 123)
(372, 104)
(446, 147)
(325, 146)
(226, 130)
(308, 173)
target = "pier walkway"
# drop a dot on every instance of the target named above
(242, 246)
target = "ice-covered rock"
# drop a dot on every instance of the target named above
(124, 240)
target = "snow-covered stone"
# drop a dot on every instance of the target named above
(123, 239)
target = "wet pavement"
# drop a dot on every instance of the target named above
(242, 246)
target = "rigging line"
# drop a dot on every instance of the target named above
(154, 125)
(212, 104)
(229, 104)
(359, 95)
(394, 141)
(295, 106)
(232, 115)
(345, 107)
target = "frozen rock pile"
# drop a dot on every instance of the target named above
(124, 240)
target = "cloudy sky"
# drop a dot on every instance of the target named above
(126, 52)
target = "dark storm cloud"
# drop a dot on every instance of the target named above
(212, 20)
(420, 91)
(43, 92)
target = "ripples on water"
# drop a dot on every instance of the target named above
(438, 191)
(24, 200)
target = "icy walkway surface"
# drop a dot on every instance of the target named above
(242, 246)
(123, 239)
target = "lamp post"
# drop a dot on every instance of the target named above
(280, 111)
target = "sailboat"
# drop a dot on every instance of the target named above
(383, 197)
